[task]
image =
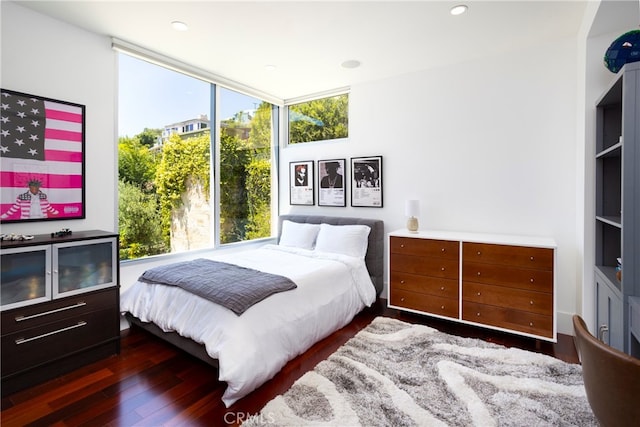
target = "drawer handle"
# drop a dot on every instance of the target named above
(441, 268)
(402, 282)
(442, 307)
(402, 245)
(532, 258)
(402, 299)
(68, 328)
(442, 288)
(45, 313)
(478, 252)
(443, 250)
(531, 302)
(478, 273)
(530, 323)
(531, 280)
(478, 314)
(478, 293)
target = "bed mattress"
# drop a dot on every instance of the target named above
(253, 347)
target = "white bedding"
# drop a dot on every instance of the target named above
(253, 347)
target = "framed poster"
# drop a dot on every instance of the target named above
(366, 181)
(331, 191)
(301, 190)
(42, 152)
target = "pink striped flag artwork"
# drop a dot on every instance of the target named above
(41, 158)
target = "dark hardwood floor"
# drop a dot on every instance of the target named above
(152, 383)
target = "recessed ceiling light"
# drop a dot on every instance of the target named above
(270, 67)
(179, 26)
(459, 9)
(350, 63)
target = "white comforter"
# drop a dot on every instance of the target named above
(253, 347)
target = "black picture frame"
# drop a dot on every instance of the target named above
(332, 182)
(301, 188)
(366, 182)
(42, 147)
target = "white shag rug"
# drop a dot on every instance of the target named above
(394, 373)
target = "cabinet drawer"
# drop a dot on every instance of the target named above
(517, 299)
(34, 316)
(522, 321)
(43, 344)
(447, 288)
(517, 256)
(424, 247)
(522, 278)
(428, 266)
(425, 303)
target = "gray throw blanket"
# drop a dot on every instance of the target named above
(231, 286)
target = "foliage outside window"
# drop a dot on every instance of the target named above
(165, 193)
(245, 170)
(319, 120)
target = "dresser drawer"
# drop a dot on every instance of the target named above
(28, 317)
(424, 247)
(425, 303)
(522, 321)
(46, 343)
(517, 299)
(522, 278)
(428, 266)
(447, 288)
(516, 256)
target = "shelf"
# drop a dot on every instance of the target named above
(608, 244)
(613, 151)
(609, 273)
(613, 94)
(609, 118)
(615, 221)
(609, 183)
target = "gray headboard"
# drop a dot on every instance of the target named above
(375, 251)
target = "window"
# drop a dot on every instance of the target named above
(245, 167)
(169, 200)
(319, 119)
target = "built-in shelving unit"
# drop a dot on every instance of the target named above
(617, 235)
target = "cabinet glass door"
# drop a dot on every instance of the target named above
(84, 266)
(25, 277)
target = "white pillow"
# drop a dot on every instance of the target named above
(298, 235)
(349, 240)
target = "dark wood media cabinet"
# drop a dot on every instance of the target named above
(60, 306)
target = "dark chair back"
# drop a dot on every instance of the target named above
(611, 379)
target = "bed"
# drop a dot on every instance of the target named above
(333, 281)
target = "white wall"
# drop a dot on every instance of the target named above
(486, 146)
(63, 62)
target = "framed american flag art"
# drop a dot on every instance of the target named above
(41, 158)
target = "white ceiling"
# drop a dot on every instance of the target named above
(308, 40)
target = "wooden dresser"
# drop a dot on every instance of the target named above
(496, 281)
